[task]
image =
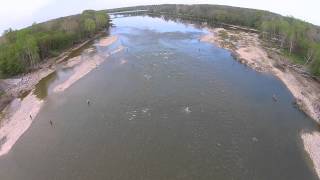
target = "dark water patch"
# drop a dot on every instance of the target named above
(24, 94)
(3, 140)
(46, 85)
(41, 89)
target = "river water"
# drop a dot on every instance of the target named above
(166, 107)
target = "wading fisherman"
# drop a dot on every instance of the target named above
(274, 97)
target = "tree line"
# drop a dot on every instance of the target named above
(21, 50)
(298, 39)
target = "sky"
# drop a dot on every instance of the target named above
(22, 13)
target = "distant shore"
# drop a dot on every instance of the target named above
(248, 49)
(19, 113)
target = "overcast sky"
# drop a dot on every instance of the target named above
(21, 13)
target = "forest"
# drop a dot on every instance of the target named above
(297, 39)
(22, 50)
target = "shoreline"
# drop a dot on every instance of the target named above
(311, 143)
(19, 121)
(19, 114)
(17, 86)
(248, 49)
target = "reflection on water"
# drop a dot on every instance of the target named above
(41, 89)
(81, 50)
(63, 72)
(44, 87)
(168, 107)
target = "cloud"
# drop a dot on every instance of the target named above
(21, 13)
(13, 12)
(21, 8)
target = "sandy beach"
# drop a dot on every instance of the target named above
(248, 49)
(19, 114)
(107, 41)
(311, 143)
(15, 125)
(80, 70)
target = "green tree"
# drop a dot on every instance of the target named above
(284, 29)
(9, 60)
(315, 65)
(23, 49)
(27, 48)
(90, 26)
(101, 20)
(10, 35)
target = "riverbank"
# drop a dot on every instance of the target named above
(20, 85)
(18, 115)
(248, 49)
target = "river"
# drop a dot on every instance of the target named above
(166, 107)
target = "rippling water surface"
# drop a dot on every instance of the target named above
(167, 107)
